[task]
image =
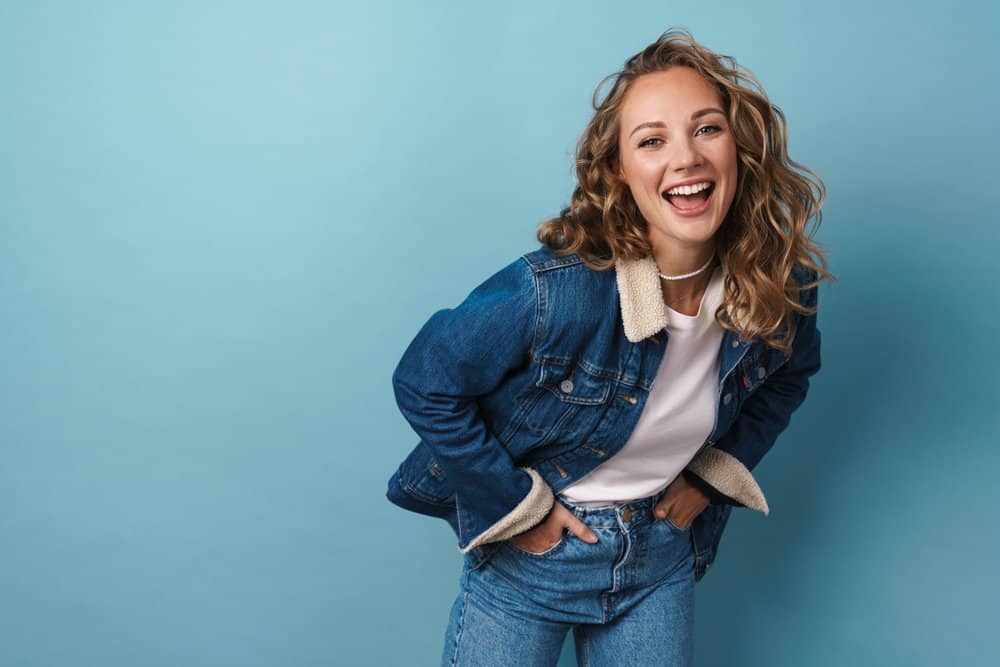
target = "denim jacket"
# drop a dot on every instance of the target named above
(540, 375)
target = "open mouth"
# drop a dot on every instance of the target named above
(691, 204)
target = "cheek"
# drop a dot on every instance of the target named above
(648, 173)
(641, 177)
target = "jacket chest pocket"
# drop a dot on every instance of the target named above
(565, 402)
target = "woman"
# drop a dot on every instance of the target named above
(592, 411)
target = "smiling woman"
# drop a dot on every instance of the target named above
(681, 166)
(591, 413)
(679, 114)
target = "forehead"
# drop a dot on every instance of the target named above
(672, 94)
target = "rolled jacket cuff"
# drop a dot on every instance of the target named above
(728, 477)
(715, 497)
(528, 513)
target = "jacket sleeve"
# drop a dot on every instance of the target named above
(722, 471)
(459, 355)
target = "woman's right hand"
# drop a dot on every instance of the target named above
(545, 535)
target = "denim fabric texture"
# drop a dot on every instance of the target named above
(540, 375)
(628, 598)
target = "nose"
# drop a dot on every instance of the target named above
(685, 155)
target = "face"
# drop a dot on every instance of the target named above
(674, 131)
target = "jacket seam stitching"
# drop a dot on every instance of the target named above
(557, 263)
(538, 314)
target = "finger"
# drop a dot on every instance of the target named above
(661, 510)
(582, 530)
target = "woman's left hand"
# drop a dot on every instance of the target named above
(681, 502)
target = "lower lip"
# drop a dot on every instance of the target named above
(693, 212)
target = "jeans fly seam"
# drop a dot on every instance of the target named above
(616, 570)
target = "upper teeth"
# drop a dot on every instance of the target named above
(689, 189)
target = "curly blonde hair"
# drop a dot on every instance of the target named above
(765, 231)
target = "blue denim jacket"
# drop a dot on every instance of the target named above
(540, 375)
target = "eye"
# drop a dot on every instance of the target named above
(706, 127)
(646, 141)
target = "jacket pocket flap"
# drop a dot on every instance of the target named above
(571, 383)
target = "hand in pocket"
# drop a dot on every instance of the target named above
(547, 534)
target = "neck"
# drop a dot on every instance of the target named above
(676, 258)
(675, 262)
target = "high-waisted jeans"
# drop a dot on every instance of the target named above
(629, 598)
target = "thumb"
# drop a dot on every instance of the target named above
(582, 530)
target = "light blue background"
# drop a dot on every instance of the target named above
(221, 223)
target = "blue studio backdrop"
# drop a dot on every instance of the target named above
(222, 222)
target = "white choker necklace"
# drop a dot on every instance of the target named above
(693, 273)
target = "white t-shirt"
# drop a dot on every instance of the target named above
(677, 418)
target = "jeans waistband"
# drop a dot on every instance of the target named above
(645, 505)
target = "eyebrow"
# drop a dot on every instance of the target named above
(660, 123)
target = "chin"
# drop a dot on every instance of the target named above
(693, 231)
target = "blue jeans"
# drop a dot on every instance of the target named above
(629, 598)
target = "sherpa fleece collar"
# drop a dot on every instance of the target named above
(643, 311)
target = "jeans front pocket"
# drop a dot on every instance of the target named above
(555, 548)
(673, 527)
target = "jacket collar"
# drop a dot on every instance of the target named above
(640, 297)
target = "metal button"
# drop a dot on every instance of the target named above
(736, 342)
(760, 372)
(566, 386)
(726, 399)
